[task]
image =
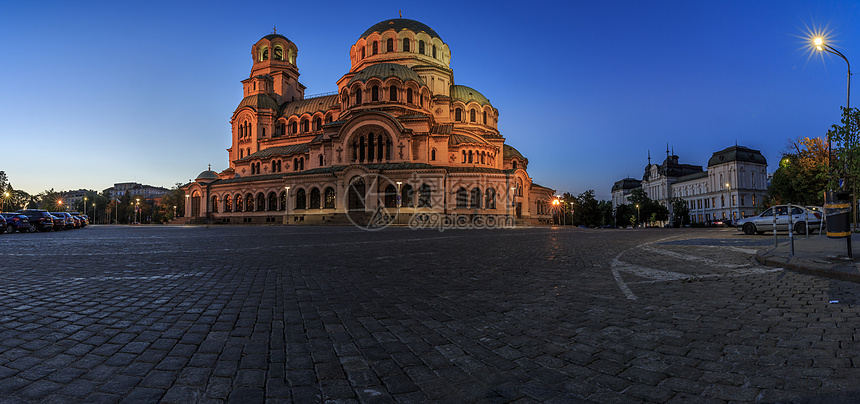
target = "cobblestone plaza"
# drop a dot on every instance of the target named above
(338, 314)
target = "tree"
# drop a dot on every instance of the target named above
(654, 211)
(802, 175)
(680, 212)
(51, 201)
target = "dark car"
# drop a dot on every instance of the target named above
(2, 224)
(82, 218)
(40, 219)
(16, 222)
(68, 221)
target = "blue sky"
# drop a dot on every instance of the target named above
(103, 92)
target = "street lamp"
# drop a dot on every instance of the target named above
(637, 215)
(95, 218)
(85, 205)
(555, 207)
(136, 209)
(822, 46)
(729, 189)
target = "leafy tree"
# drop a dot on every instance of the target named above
(51, 201)
(623, 213)
(802, 175)
(605, 210)
(654, 211)
(680, 212)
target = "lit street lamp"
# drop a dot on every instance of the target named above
(822, 46)
(399, 183)
(637, 215)
(729, 189)
(95, 218)
(555, 208)
(287, 206)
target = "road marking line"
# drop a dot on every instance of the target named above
(686, 257)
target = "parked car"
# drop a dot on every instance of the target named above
(82, 218)
(67, 219)
(59, 222)
(16, 222)
(40, 219)
(3, 225)
(800, 216)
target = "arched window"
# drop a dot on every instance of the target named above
(241, 153)
(409, 96)
(321, 160)
(264, 53)
(389, 45)
(315, 198)
(317, 123)
(374, 93)
(228, 203)
(458, 114)
(293, 126)
(514, 165)
(421, 47)
(362, 52)
(475, 198)
(490, 199)
(424, 195)
(358, 95)
(472, 115)
(240, 204)
(261, 202)
(470, 156)
(215, 204)
(464, 156)
(305, 125)
(301, 163)
(434, 51)
(272, 202)
(282, 201)
(274, 166)
(253, 168)
(485, 117)
(375, 48)
(301, 199)
(405, 45)
(462, 198)
(392, 93)
(406, 196)
(433, 155)
(329, 198)
(279, 53)
(249, 203)
(390, 196)
(483, 154)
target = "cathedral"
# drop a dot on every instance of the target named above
(398, 137)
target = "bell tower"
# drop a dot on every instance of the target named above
(274, 71)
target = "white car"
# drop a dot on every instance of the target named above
(800, 215)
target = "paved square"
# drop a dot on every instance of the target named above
(337, 314)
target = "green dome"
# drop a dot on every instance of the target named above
(399, 24)
(383, 71)
(467, 95)
(258, 101)
(207, 175)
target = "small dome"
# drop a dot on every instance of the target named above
(510, 151)
(383, 71)
(273, 36)
(399, 24)
(207, 175)
(258, 101)
(467, 95)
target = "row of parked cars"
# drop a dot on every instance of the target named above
(33, 220)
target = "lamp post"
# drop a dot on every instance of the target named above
(729, 200)
(85, 205)
(187, 200)
(287, 206)
(399, 183)
(638, 213)
(95, 218)
(571, 213)
(136, 209)
(513, 201)
(555, 208)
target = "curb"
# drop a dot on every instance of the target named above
(805, 269)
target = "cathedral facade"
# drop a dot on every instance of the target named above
(398, 136)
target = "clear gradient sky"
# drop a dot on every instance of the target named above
(94, 93)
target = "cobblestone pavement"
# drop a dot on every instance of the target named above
(336, 314)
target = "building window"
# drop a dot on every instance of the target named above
(475, 198)
(282, 201)
(249, 202)
(304, 125)
(272, 202)
(390, 196)
(329, 198)
(264, 53)
(433, 155)
(215, 204)
(315, 198)
(389, 45)
(458, 114)
(301, 199)
(485, 117)
(362, 52)
(409, 96)
(471, 116)
(375, 48)
(358, 95)
(374, 93)
(228, 203)
(490, 202)
(421, 47)
(742, 200)
(392, 93)
(424, 194)
(261, 202)
(405, 44)
(406, 196)
(293, 126)
(321, 160)
(462, 198)
(434, 51)
(317, 123)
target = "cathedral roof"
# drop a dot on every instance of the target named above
(737, 153)
(399, 24)
(383, 71)
(273, 36)
(509, 151)
(467, 95)
(627, 183)
(309, 105)
(457, 138)
(278, 151)
(258, 101)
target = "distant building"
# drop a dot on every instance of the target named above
(70, 198)
(733, 184)
(135, 189)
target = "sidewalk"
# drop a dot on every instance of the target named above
(817, 255)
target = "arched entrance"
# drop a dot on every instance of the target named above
(195, 204)
(356, 194)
